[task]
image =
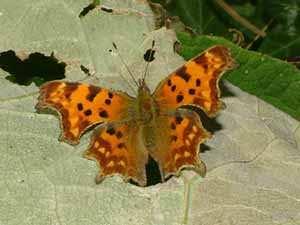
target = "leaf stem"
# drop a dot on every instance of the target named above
(257, 36)
(231, 11)
(186, 202)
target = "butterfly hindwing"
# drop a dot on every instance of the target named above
(177, 142)
(196, 82)
(117, 148)
(81, 106)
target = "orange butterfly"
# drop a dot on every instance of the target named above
(132, 128)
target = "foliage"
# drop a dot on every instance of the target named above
(281, 17)
(272, 80)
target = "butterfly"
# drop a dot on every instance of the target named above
(151, 124)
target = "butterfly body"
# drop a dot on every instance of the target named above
(146, 105)
(132, 128)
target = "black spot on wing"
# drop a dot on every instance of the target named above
(70, 88)
(93, 91)
(107, 101)
(174, 138)
(79, 106)
(181, 72)
(88, 112)
(110, 95)
(119, 134)
(111, 130)
(179, 98)
(192, 91)
(178, 119)
(173, 88)
(173, 126)
(121, 145)
(103, 114)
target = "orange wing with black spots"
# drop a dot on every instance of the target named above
(117, 148)
(196, 82)
(183, 133)
(147, 124)
(82, 105)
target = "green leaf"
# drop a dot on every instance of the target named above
(270, 79)
(45, 181)
(201, 16)
(283, 39)
(281, 18)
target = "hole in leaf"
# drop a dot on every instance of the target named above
(149, 55)
(86, 10)
(85, 70)
(153, 173)
(108, 10)
(89, 8)
(36, 68)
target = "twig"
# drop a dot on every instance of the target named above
(257, 36)
(240, 19)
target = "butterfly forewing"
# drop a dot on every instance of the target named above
(196, 82)
(82, 105)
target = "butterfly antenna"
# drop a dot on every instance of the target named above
(148, 57)
(127, 68)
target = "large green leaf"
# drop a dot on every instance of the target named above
(270, 79)
(44, 181)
